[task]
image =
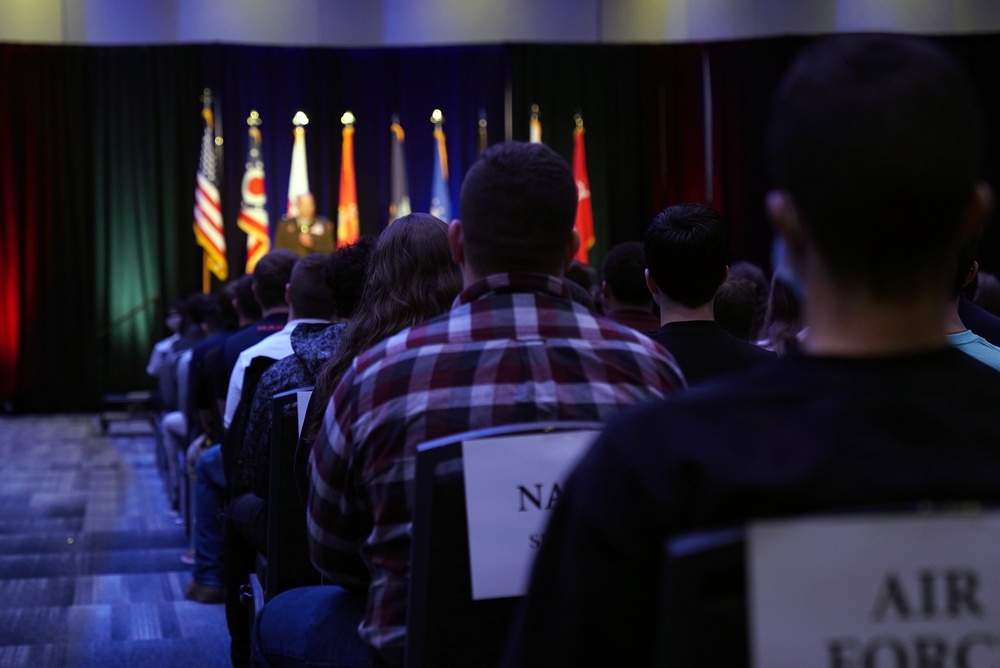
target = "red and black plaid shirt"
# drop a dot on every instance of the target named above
(514, 348)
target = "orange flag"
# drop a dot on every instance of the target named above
(584, 212)
(347, 211)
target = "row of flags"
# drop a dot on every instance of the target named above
(253, 217)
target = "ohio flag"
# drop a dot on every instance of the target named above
(253, 216)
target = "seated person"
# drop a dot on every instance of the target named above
(687, 250)
(749, 271)
(960, 336)
(268, 281)
(735, 306)
(875, 144)
(514, 348)
(623, 290)
(312, 347)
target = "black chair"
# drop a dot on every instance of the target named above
(703, 613)
(288, 564)
(445, 626)
(833, 589)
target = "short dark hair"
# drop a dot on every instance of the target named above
(687, 248)
(247, 304)
(624, 271)
(200, 307)
(877, 139)
(271, 275)
(517, 209)
(735, 306)
(228, 318)
(762, 286)
(309, 295)
(345, 274)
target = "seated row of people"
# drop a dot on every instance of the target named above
(472, 324)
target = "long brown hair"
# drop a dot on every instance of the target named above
(411, 278)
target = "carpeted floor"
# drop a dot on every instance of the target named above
(90, 573)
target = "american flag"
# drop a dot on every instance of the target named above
(208, 231)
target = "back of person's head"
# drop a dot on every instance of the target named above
(271, 275)
(735, 306)
(624, 274)
(762, 285)
(345, 274)
(309, 294)
(228, 318)
(582, 274)
(175, 316)
(877, 140)
(784, 320)
(687, 249)
(987, 294)
(200, 308)
(411, 278)
(518, 207)
(246, 304)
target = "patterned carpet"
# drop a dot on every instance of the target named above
(89, 558)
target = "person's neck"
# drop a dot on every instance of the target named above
(952, 321)
(611, 305)
(671, 311)
(274, 310)
(852, 322)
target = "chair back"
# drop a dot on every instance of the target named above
(454, 617)
(288, 564)
(885, 589)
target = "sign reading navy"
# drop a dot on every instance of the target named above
(512, 483)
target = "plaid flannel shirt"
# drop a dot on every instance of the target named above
(514, 348)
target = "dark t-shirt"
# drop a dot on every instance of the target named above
(979, 320)
(801, 435)
(703, 349)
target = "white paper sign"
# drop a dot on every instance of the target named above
(303, 397)
(875, 592)
(511, 485)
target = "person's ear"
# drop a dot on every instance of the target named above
(288, 293)
(654, 289)
(973, 270)
(456, 241)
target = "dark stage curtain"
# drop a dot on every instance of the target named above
(99, 148)
(642, 110)
(97, 171)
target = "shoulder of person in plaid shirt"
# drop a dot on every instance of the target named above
(514, 348)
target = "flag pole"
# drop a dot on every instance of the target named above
(206, 279)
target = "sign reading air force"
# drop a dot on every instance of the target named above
(512, 483)
(885, 591)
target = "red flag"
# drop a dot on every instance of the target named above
(207, 205)
(347, 210)
(584, 212)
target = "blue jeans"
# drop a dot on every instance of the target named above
(209, 500)
(312, 627)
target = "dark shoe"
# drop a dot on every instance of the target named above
(204, 594)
